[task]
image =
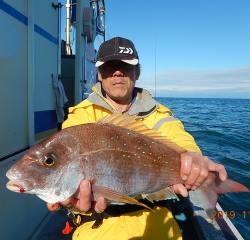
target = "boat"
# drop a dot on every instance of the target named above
(188, 212)
(36, 68)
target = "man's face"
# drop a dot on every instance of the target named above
(118, 79)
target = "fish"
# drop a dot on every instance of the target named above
(120, 156)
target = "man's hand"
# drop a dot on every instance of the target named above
(195, 169)
(82, 204)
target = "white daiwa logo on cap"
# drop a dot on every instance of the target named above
(128, 50)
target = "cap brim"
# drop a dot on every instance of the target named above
(133, 61)
(99, 63)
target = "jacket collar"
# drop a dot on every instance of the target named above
(143, 106)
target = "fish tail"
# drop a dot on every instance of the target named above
(213, 186)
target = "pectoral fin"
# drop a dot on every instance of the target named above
(116, 196)
(167, 193)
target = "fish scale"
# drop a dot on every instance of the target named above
(125, 156)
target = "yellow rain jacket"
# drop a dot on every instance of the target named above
(142, 224)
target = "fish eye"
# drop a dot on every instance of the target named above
(49, 161)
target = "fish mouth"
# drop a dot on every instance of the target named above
(11, 185)
(16, 185)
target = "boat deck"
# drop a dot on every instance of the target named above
(188, 212)
(52, 226)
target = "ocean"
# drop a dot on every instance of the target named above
(221, 128)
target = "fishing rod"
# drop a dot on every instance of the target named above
(207, 125)
(155, 62)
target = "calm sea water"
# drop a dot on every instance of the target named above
(223, 134)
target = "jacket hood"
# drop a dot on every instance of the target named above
(143, 106)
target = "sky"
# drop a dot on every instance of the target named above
(187, 48)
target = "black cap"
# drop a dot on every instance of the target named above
(117, 49)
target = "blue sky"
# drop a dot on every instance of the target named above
(202, 47)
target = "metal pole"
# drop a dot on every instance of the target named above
(104, 16)
(31, 73)
(84, 81)
(68, 25)
(59, 41)
(80, 50)
(155, 63)
(85, 58)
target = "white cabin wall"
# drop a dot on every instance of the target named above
(45, 58)
(21, 214)
(46, 17)
(13, 83)
(27, 99)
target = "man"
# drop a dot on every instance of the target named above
(118, 69)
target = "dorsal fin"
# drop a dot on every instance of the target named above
(129, 122)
